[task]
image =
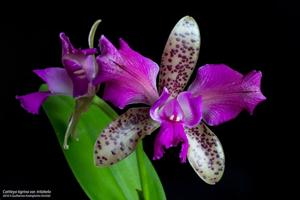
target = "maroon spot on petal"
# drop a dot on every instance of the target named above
(104, 158)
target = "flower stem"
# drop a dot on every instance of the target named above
(71, 130)
(142, 170)
(92, 33)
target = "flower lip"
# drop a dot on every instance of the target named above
(174, 114)
(175, 118)
(184, 108)
(170, 134)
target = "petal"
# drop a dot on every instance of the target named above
(170, 134)
(78, 77)
(57, 80)
(191, 107)
(156, 108)
(84, 67)
(126, 71)
(251, 83)
(121, 94)
(164, 139)
(172, 111)
(120, 138)
(180, 56)
(90, 66)
(214, 76)
(33, 101)
(184, 108)
(67, 47)
(80, 65)
(225, 92)
(205, 153)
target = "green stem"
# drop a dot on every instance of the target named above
(142, 170)
(71, 130)
(92, 33)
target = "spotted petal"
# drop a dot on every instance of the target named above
(225, 92)
(180, 56)
(129, 77)
(120, 138)
(205, 153)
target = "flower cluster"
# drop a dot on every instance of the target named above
(216, 95)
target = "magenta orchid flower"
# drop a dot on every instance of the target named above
(75, 79)
(218, 94)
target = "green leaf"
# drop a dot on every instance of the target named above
(133, 178)
(151, 186)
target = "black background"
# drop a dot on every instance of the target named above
(246, 36)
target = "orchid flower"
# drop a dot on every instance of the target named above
(75, 79)
(217, 94)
